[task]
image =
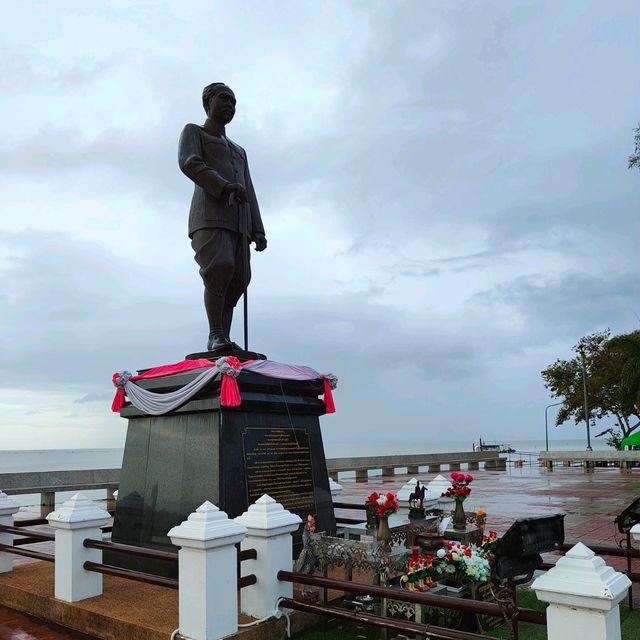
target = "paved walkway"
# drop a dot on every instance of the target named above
(590, 500)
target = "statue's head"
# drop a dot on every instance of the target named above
(219, 102)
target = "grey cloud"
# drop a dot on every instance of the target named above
(19, 73)
(94, 397)
(568, 305)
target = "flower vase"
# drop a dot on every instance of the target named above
(459, 517)
(383, 534)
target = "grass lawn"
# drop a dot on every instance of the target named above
(630, 624)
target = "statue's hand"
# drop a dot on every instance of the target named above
(235, 193)
(261, 241)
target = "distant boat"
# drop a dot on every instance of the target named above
(500, 448)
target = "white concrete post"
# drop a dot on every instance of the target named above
(7, 508)
(77, 519)
(207, 571)
(583, 595)
(635, 532)
(335, 488)
(269, 527)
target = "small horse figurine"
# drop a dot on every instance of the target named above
(417, 497)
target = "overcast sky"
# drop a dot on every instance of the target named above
(444, 187)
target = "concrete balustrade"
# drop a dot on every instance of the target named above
(621, 459)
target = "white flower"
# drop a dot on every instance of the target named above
(382, 500)
(441, 553)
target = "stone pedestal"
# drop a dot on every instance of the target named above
(454, 466)
(473, 466)
(434, 468)
(583, 595)
(469, 535)
(201, 451)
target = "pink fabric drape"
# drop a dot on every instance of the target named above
(230, 368)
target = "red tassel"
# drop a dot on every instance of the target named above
(118, 400)
(229, 391)
(328, 397)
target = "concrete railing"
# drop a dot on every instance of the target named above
(412, 463)
(587, 458)
(47, 483)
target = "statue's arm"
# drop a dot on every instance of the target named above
(192, 164)
(256, 219)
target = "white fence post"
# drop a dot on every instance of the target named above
(335, 488)
(269, 527)
(207, 570)
(403, 496)
(7, 508)
(583, 595)
(77, 519)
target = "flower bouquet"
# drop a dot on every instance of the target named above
(458, 492)
(458, 564)
(385, 504)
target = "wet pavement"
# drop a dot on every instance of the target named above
(17, 626)
(590, 501)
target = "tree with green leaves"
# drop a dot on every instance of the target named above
(634, 158)
(609, 394)
(627, 346)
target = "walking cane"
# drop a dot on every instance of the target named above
(243, 217)
(245, 269)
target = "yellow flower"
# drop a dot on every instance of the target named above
(454, 556)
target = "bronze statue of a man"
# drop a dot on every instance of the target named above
(224, 217)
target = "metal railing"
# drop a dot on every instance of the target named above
(29, 536)
(510, 613)
(154, 554)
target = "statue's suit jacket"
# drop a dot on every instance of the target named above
(212, 162)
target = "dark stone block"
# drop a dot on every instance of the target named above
(230, 456)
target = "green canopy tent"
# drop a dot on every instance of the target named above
(632, 440)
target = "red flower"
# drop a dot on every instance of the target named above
(468, 478)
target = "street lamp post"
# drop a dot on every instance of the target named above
(546, 421)
(586, 405)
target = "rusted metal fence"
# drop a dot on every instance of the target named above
(508, 612)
